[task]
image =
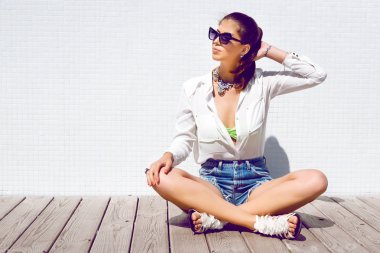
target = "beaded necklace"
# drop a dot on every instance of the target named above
(222, 85)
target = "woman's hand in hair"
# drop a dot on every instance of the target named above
(261, 52)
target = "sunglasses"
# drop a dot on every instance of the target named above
(224, 38)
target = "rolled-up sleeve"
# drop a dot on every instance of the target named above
(185, 131)
(303, 74)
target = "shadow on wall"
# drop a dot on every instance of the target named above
(276, 158)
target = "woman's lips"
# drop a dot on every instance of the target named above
(214, 50)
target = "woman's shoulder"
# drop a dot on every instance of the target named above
(195, 79)
(258, 72)
(191, 84)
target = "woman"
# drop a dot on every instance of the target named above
(223, 115)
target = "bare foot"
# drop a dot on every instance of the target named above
(196, 217)
(292, 224)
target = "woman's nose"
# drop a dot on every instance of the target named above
(216, 41)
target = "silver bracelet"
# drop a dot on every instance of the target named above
(266, 51)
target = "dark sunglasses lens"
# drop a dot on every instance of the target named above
(212, 34)
(224, 38)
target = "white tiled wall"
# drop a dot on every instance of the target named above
(89, 89)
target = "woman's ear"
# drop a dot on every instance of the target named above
(246, 48)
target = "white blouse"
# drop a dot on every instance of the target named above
(199, 128)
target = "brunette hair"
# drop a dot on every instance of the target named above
(250, 33)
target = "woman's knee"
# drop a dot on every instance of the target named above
(166, 180)
(316, 180)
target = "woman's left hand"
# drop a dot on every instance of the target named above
(261, 52)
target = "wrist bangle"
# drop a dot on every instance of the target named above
(266, 51)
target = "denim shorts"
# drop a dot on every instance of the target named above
(235, 179)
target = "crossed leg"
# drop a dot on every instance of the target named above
(278, 196)
(287, 193)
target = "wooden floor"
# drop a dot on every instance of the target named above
(151, 224)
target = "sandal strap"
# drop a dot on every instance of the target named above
(273, 225)
(210, 222)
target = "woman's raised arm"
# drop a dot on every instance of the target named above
(304, 73)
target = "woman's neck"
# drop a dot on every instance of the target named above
(224, 72)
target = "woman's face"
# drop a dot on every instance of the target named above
(228, 52)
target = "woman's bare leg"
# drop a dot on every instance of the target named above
(188, 193)
(210, 198)
(286, 194)
(314, 181)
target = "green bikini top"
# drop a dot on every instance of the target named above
(232, 132)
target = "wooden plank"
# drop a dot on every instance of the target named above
(373, 201)
(7, 203)
(48, 225)
(306, 242)
(182, 238)
(330, 234)
(17, 221)
(80, 231)
(115, 232)
(350, 223)
(365, 212)
(260, 243)
(151, 228)
(226, 240)
(335, 224)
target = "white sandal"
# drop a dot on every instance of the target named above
(208, 222)
(277, 225)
